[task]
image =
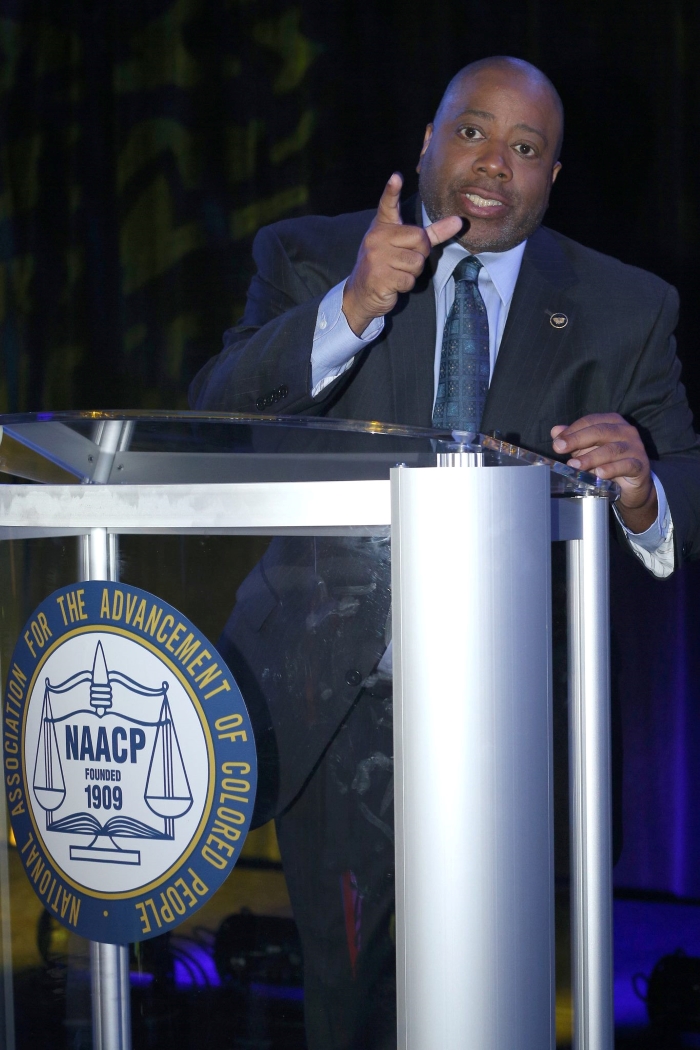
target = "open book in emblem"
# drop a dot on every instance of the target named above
(166, 791)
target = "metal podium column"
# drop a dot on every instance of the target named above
(109, 963)
(111, 1006)
(471, 578)
(590, 779)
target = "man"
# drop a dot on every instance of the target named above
(402, 316)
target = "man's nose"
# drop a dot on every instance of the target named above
(492, 162)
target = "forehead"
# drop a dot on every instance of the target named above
(506, 96)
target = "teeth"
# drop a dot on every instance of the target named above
(480, 202)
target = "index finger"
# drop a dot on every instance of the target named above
(585, 432)
(388, 210)
(594, 419)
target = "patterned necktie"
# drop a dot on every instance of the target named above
(463, 381)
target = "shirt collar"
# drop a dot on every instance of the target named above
(502, 267)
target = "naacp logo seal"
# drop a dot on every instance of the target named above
(129, 761)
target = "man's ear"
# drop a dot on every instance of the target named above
(426, 142)
(555, 171)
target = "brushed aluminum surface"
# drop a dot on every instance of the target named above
(111, 1012)
(590, 779)
(196, 508)
(472, 723)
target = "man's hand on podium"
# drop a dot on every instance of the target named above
(607, 445)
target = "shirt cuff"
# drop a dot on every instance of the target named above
(335, 344)
(654, 548)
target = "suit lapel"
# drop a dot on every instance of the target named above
(531, 346)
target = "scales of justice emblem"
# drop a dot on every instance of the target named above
(129, 761)
(109, 741)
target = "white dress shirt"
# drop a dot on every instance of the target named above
(335, 346)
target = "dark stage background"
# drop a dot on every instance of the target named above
(142, 143)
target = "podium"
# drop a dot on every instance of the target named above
(470, 520)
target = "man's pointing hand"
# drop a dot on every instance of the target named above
(390, 259)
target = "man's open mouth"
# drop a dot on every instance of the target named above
(483, 202)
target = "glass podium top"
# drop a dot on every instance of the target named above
(164, 447)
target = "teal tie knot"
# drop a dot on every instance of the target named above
(467, 269)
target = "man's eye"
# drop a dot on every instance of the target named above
(470, 133)
(524, 150)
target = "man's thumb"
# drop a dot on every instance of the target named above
(444, 229)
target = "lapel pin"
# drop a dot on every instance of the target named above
(558, 320)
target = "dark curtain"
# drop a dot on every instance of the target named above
(142, 143)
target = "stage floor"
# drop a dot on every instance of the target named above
(645, 930)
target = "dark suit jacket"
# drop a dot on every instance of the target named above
(616, 353)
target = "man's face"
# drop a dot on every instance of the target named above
(490, 158)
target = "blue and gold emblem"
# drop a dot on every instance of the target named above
(130, 763)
